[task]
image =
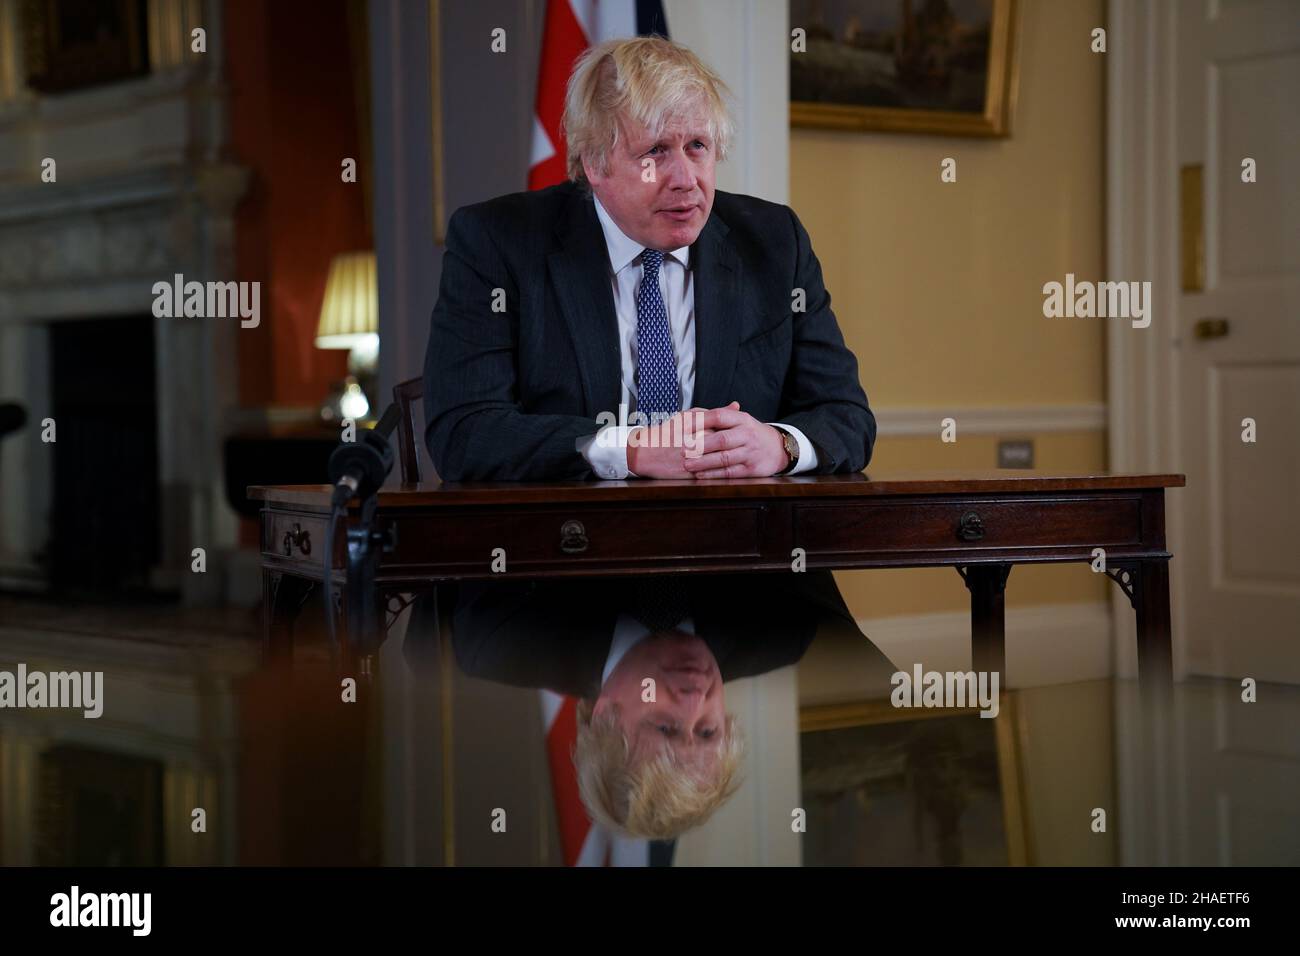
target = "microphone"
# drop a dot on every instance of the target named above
(12, 417)
(360, 467)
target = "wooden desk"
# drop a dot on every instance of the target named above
(980, 524)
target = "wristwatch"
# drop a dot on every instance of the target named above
(791, 449)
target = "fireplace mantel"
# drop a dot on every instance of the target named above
(97, 246)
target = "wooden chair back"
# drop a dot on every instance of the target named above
(412, 456)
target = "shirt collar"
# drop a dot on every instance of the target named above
(628, 633)
(624, 251)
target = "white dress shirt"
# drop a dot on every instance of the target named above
(607, 450)
(628, 633)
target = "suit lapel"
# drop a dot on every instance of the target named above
(717, 276)
(579, 271)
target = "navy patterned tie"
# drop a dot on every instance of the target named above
(659, 601)
(659, 394)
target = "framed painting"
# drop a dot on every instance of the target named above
(883, 786)
(913, 66)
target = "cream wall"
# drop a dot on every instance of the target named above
(938, 286)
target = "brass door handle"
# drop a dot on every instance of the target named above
(1210, 328)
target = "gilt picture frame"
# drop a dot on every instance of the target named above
(907, 787)
(946, 67)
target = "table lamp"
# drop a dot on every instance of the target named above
(349, 319)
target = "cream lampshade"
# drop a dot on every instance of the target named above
(349, 319)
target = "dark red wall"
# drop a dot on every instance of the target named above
(292, 121)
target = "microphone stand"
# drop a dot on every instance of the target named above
(365, 546)
(358, 469)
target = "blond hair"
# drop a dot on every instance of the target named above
(657, 798)
(647, 79)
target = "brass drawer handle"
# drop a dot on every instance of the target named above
(573, 537)
(970, 528)
(297, 537)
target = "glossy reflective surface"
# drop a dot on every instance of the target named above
(438, 752)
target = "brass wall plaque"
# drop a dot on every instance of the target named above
(1192, 228)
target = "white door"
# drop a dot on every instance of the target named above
(1236, 83)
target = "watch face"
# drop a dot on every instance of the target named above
(791, 446)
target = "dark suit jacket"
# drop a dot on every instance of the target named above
(510, 395)
(557, 634)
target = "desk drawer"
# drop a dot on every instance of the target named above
(296, 537)
(573, 537)
(974, 524)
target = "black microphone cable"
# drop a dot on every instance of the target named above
(327, 579)
(355, 468)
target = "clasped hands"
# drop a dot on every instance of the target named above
(706, 443)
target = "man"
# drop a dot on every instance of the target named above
(634, 322)
(638, 285)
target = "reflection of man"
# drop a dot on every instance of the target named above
(656, 759)
(648, 767)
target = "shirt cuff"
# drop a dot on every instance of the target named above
(606, 452)
(807, 454)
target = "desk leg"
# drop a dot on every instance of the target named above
(1146, 584)
(283, 597)
(987, 584)
(1154, 634)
